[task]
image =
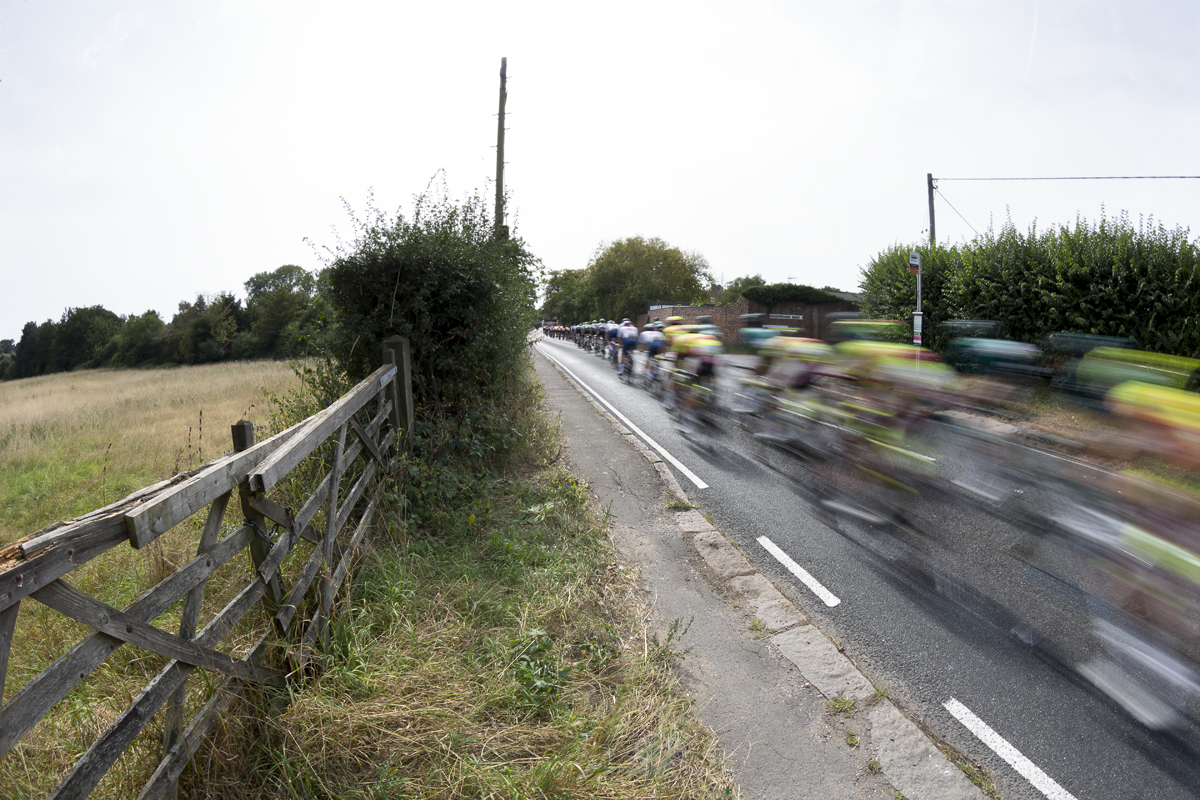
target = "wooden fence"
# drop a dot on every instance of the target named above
(364, 426)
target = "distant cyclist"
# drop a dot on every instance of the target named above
(653, 342)
(627, 335)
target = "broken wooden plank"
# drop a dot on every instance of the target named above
(21, 577)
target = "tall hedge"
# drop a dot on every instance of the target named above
(464, 298)
(1110, 278)
(889, 290)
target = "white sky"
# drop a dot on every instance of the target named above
(150, 151)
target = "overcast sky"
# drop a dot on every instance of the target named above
(152, 151)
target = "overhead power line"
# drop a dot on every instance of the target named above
(1087, 178)
(955, 210)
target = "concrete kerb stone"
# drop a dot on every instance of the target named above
(692, 522)
(822, 664)
(771, 608)
(721, 556)
(909, 759)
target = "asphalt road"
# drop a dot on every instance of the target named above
(966, 625)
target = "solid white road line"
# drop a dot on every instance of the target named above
(812, 583)
(1030, 771)
(674, 461)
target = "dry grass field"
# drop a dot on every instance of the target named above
(74, 442)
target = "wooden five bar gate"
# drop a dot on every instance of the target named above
(365, 426)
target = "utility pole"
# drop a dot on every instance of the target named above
(501, 228)
(929, 185)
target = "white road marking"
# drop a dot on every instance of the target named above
(662, 451)
(1030, 771)
(828, 597)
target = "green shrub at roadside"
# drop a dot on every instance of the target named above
(463, 297)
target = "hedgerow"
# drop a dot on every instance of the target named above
(462, 296)
(1110, 278)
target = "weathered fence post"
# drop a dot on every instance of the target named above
(260, 545)
(399, 392)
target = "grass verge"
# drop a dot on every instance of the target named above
(492, 650)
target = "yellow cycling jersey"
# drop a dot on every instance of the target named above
(697, 344)
(1162, 406)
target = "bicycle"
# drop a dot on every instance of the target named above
(625, 367)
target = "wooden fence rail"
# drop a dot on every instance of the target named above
(364, 427)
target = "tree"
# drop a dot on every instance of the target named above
(889, 290)
(624, 276)
(202, 331)
(289, 276)
(568, 297)
(6, 346)
(282, 308)
(738, 286)
(32, 354)
(140, 341)
(80, 336)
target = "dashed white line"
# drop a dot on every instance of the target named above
(662, 451)
(1000, 746)
(828, 597)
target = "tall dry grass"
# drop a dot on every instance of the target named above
(73, 442)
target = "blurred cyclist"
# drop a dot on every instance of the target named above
(653, 341)
(627, 335)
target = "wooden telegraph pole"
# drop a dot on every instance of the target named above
(929, 186)
(501, 228)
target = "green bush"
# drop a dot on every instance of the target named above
(463, 297)
(777, 293)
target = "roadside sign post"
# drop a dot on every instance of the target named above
(914, 266)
